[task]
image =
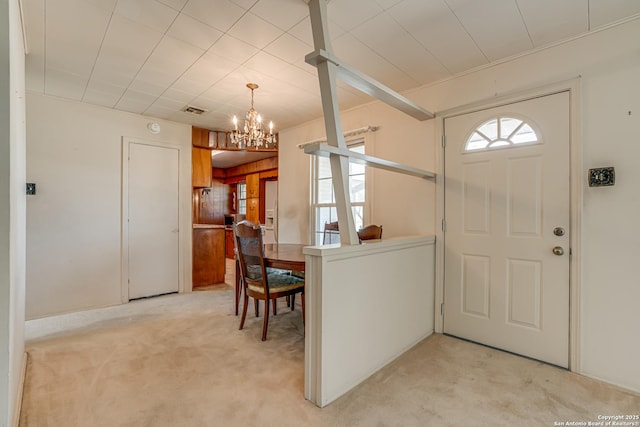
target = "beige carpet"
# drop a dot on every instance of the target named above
(180, 360)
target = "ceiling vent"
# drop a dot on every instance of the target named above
(194, 110)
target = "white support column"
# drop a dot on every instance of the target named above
(329, 69)
(333, 126)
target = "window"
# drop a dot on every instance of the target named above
(501, 132)
(242, 198)
(324, 202)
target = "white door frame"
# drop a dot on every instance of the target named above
(184, 216)
(576, 192)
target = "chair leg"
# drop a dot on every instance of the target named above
(237, 299)
(288, 297)
(303, 315)
(293, 301)
(266, 320)
(257, 307)
(275, 306)
(239, 284)
(244, 310)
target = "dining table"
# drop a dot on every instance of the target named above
(286, 256)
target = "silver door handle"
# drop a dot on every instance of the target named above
(558, 251)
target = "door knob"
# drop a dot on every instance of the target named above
(558, 251)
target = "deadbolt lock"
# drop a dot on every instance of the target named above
(558, 231)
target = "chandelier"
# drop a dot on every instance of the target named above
(253, 135)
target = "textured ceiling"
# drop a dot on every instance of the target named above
(154, 57)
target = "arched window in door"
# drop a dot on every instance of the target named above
(501, 132)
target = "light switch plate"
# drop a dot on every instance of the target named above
(602, 177)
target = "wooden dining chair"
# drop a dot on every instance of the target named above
(370, 232)
(259, 283)
(331, 233)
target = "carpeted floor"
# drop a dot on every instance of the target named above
(180, 360)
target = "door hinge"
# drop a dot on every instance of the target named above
(444, 225)
(444, 141)
(442, 309)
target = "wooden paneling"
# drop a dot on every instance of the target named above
(263, 165)
(200, 167)
(219, 173)
(253, 185)
(253, 210)
(208, 256)
(269, 174)
(253, 197)
(210, 204)
(200, 137)
(229, 244)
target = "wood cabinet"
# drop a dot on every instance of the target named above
(253, 210)
(211, 203)
(200, 167)
(229, 244)
(200, 138)
(253, 197)
(253, 185)
(208, 256)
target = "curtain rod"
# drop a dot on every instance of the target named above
(346, 135)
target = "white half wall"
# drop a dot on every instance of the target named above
(12, 210)
(365, 306)
(74, 155)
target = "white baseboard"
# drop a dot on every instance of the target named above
(624, 387)
(18, 406)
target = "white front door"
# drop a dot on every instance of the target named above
(153, 201)
(507, 227)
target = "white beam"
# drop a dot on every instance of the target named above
(333, 127)
(368, 85)
(321, 149)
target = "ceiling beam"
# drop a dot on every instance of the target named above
(324, 150)
(368, 85)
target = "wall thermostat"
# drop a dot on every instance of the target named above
(602, 177)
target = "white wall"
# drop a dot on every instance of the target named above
(12, 209)
(74, 155)
(609, 65)
(414, 196)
